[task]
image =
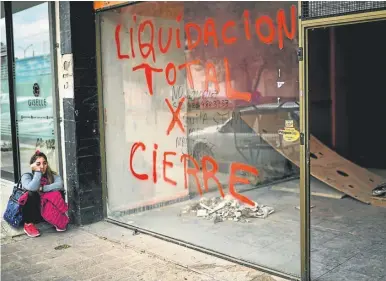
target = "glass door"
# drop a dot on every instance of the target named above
(342, 172)
(34, 83)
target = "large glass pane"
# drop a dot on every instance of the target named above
(33, 83)
(201, 125)
(6, 137)
(348, 167)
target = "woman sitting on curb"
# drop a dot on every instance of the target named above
(43, 179)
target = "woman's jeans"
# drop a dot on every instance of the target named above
(31, 210)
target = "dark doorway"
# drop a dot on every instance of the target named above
(347, 111)
(347, 91)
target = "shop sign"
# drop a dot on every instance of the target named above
(106, 4)
(67, 81)
(36, 102)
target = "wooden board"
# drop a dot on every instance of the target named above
(326, 165)
(378, 201)
(318, 188)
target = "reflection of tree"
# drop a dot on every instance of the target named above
(25, 49)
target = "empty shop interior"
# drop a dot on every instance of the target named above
(345, 83)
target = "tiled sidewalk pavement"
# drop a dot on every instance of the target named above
(103, 251)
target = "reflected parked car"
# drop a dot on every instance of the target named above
(236, 141)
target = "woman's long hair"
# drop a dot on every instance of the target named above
(49, 173)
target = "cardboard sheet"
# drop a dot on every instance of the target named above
(326, 165)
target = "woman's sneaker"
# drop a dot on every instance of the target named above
(31, 230)
(60, 229)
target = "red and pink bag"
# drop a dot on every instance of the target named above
(53, 209)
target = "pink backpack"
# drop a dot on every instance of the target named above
(53, 209)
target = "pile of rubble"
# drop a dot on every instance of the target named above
(220, 209)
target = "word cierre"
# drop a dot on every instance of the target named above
(206, 173)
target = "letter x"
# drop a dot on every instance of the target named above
(176, 118)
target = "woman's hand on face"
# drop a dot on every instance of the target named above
(34, 167)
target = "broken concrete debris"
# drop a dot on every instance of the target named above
(202, 213)
(220, 209)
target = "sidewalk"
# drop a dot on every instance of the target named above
(103, 251)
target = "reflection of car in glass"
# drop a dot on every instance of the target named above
(236, 141)
(219, 141)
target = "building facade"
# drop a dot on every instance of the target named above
(196, 122)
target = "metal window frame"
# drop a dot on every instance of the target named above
(101, 112)
(306, 9)
(305, 199)
(55, 86)
(304, 160)
(8, 15)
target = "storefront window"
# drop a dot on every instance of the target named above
(33, 83)
(202, 122)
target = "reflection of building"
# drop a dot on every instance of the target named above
(3, 49)
(123, 149)
(3, 55)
